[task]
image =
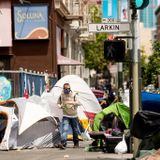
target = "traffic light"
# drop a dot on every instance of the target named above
(139, 4)
(114, 50)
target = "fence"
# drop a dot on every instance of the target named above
(27, 82)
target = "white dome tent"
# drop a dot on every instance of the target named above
(30, 123)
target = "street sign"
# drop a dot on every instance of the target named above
(109, 20)
(112, 28)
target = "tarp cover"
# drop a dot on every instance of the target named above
(119, 109)
(151, 101)
(145, 124)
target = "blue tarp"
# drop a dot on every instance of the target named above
(151, 101)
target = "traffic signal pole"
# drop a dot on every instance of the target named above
(135, 73)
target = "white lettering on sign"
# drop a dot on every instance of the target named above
(22, 16)
(115, 27)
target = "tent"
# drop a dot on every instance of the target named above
(151, 101)
(115, 117)
(89, 103)
(119, 109)
(28, 123)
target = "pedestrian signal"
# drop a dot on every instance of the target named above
(114, 50)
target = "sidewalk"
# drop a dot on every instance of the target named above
(56, 154)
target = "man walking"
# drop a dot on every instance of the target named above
(69, 104)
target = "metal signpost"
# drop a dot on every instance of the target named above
(115, 19)
(110, 24)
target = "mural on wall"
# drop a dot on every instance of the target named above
(5, 89)
(31, 21)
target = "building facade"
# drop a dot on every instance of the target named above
(157, 13)
(32, 36)
(41, 35)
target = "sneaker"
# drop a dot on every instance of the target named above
(61, 146)
(76, 145)
(56, 145)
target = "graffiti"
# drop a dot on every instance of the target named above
(5, 89)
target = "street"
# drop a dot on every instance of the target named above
(55, 153)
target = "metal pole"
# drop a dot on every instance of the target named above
(120, 75)
(120, 64)
(135, 76)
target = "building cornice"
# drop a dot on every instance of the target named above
(61, 8)
(64, 12)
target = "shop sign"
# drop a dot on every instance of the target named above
(31, 21)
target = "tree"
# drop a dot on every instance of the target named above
(153, 67)
(94, 51)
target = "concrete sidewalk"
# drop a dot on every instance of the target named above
(56, 154)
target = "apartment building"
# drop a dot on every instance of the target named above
(41, 35)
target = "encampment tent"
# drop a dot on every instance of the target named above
(28, 123)
(119, 109)
(89, 103)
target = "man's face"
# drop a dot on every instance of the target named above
(66, 89)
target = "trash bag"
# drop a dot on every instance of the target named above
(145, 124)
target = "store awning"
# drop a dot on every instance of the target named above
(62, 60)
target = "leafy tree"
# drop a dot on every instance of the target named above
(153, 68)
(143, 67)
(143, 70)
(94, 50)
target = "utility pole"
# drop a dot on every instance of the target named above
(136, 88)
(135, 72)
(120, 64)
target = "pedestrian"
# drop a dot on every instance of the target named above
(69, 104)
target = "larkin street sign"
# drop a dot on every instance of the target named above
(108, 27)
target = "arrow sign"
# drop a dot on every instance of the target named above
(104, 27)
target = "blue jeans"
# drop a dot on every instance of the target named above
(66, 122)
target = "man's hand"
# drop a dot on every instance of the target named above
(59, 106)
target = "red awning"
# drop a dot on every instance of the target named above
(62, 60)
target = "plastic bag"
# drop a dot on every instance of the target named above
(121, 147)
(86, 136)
